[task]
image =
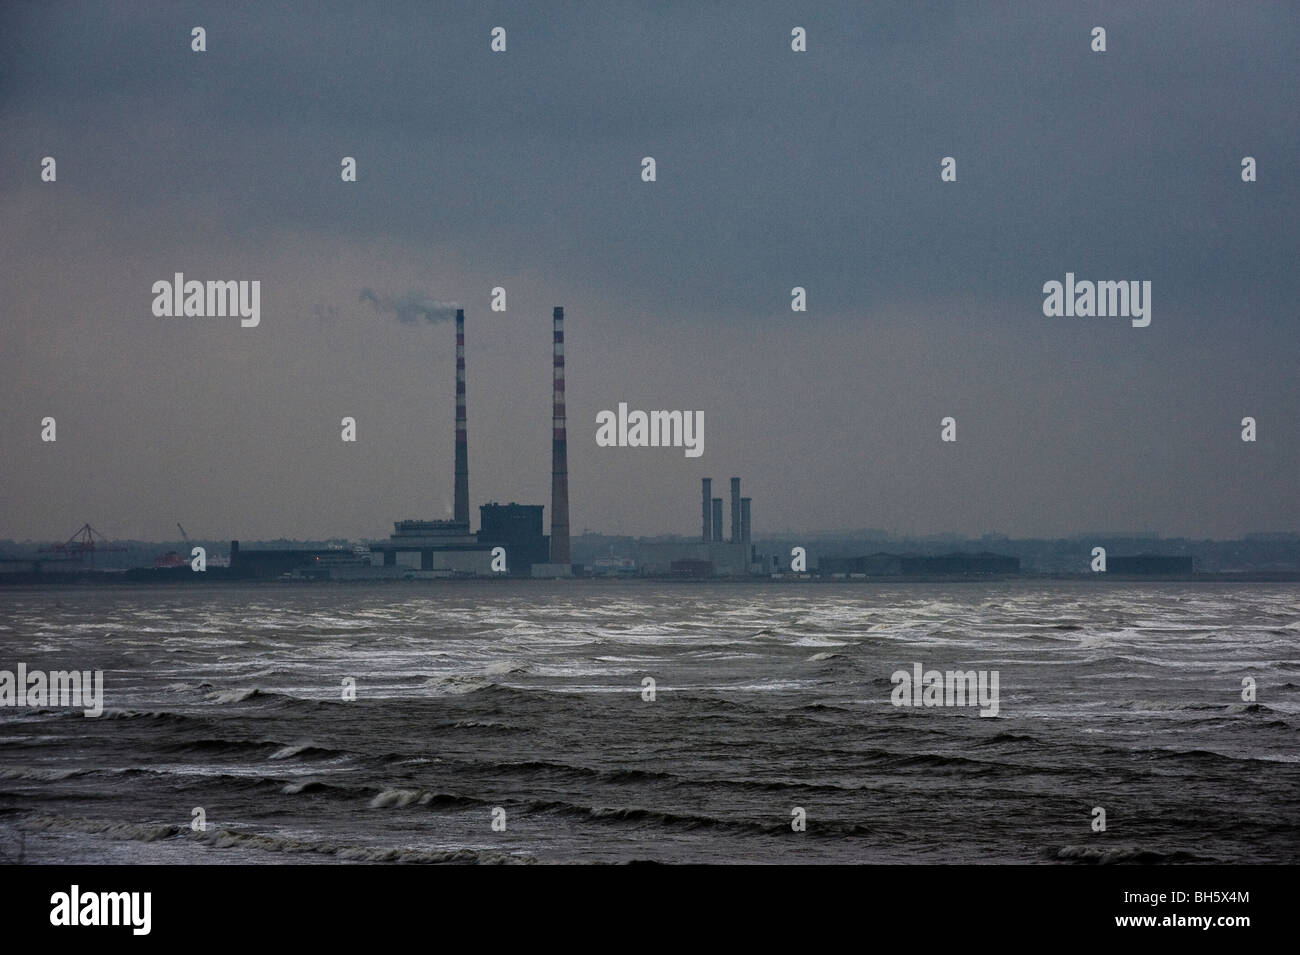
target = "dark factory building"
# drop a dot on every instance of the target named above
(881, 565)
(690, 568)
(870, 565)
(269, 564)
(517, 528)
(433, 548)
(1150, 564)
(981, 563)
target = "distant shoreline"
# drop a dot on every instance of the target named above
(216, 578)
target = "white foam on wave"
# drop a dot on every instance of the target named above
(456, 684)
(816, 642)
(400, 798)
(235, 696)
(41, 775)
(286, 752)
(505, 667)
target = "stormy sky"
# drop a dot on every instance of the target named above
(775, 169)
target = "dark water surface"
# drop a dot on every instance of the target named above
(528, 696)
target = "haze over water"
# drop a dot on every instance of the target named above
(528, 696)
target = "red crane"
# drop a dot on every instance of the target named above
(86, 541)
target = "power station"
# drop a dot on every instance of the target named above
(435, 548)
(712, 555)
(511, 540)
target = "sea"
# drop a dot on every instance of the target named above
(584, 721)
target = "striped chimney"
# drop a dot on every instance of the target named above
(462, 447)
(559, 454)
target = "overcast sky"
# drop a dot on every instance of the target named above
(775, 169)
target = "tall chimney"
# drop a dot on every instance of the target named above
(744, 519)
(706, 511)
(462, 447)
(717, 519)
(735, 511)
(559, 454)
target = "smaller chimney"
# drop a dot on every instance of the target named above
(744, 520)
(735, 511)
(706, 512)
(717, 519)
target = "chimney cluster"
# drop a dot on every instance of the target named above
(711, 513)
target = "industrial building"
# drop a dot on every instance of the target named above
(517, 528)
(911, 565)
(612, 566)
(1150, 565)
(981, 563)
(711, 555)
(869, 565)
(269, 564)
(435, 549)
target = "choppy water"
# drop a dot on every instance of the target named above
(528, 697)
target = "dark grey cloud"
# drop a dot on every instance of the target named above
(774, 170)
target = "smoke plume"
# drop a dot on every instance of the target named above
(411, 307)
